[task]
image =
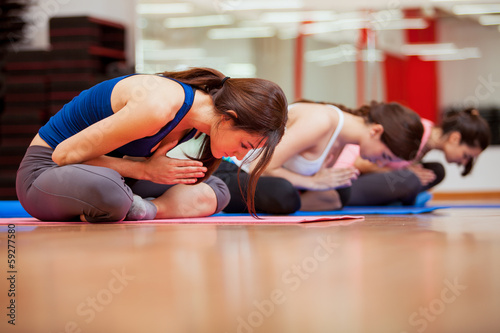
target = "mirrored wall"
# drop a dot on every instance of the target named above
(347, 53)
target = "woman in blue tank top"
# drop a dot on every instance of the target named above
(104, 152)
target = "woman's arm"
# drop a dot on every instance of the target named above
(158, 168)
(326, 179)
(141, 115)
(304, 134)
(140, 108)
(305, 130)
(365, 166)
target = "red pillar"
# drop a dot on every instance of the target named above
(299, 64)
(410, 80)
(360, 67)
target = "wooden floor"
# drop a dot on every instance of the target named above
(437, 272)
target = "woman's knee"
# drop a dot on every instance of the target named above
(344, 195)
(221, 192)
(108, 196)
(438, 170)
(276, 195)
(98, 193)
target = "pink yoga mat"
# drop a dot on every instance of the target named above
(205, 220)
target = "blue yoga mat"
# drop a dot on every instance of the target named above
(12, 208)
(373, 210)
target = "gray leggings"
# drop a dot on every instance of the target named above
(383, 188)
(53, 193)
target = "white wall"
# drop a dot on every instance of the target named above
(121, 11)
(483, 177)
(465, 83)
(471, 82)
(274, 60)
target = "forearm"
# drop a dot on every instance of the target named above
(297, 180)
(374, 168)
(365, 166)
(127, 168)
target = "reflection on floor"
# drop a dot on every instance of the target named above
(435, 272)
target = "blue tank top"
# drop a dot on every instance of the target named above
(94, 104)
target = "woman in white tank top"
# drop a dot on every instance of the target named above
(315, 136)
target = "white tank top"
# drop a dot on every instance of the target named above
(305, 167)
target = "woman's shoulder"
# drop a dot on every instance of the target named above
(149, 82)
(151, 90)
(312, 112)
(316, 119)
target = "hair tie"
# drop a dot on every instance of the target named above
(224, 80)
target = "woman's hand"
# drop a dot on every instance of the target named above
(162, 169)
(425, 176)
(329, 178)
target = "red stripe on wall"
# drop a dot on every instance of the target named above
(410, 80)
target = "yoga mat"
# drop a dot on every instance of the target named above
(374, 210)
(217, 219)
(12, 208)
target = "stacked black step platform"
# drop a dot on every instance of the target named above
(39, 83)
(82, 49)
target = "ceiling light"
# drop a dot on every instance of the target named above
(198, 21)
(342, 53)
(325, 27)
(428, 49)
(245, 32)
(476, 9)
(338, 53)
(404, 24)
(489, 19)
(461, 54)
(262, 4)
(164, 8)
(440, 52)
(296, 17)
(175, 54)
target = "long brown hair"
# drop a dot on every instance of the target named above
(403, 129)
(473, 129)
(261, 109)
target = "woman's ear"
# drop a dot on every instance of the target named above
(376, 131)
(232, 114)
(229, 115)
(455, 137)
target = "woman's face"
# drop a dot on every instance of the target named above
(459, 153)
(374, 150)
(377, 152)
(228, 141)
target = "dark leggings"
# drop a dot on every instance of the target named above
(377, 189)
(273, 195)
(53, 193)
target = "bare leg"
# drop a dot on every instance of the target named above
(186, 201)
(320, 200)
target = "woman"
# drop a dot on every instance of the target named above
(105, 151)
(301, 173)
(462, 136)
